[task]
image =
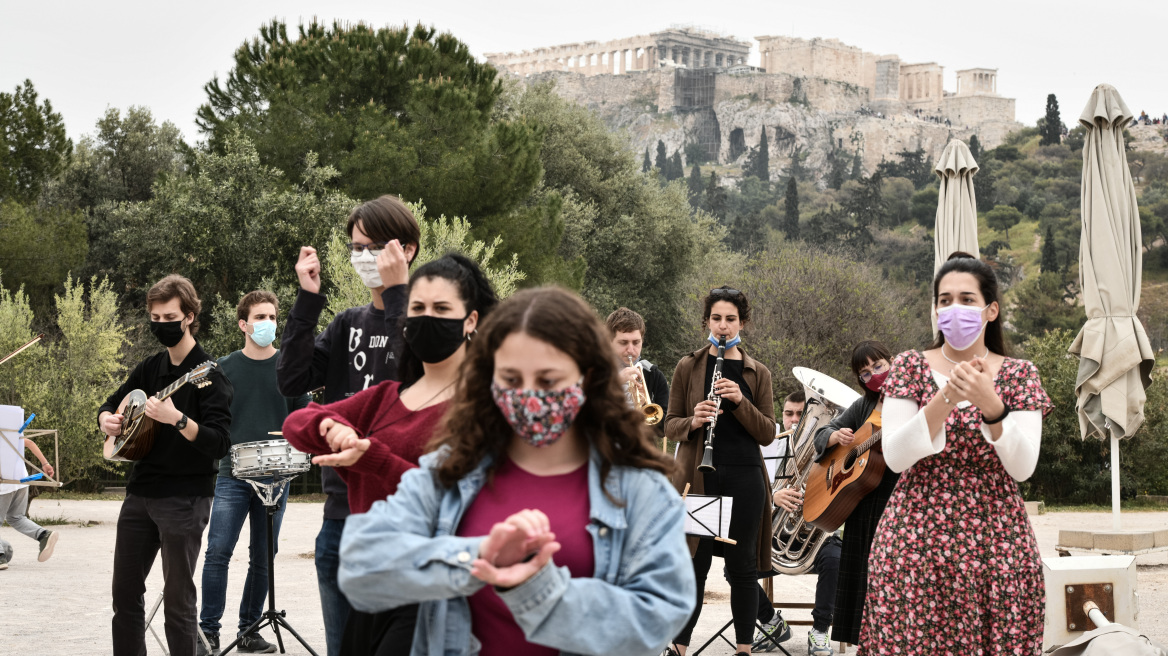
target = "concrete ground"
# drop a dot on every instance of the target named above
(63, 606)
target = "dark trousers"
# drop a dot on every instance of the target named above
(388, 633)
(173, 526)
(746, 485)
(333, 603)
(827, 561)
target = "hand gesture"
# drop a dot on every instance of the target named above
(972, 381)
(392, 265)
(510, 577)
(788, 499)
(703, 414)
(112, 425)
(729, 390)
(843, 436)
(162, 412)
(350, 451)
(308, 270)
(628, 375)
(510, 542)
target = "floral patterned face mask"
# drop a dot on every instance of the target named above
(540, 417)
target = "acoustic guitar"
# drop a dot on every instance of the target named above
(137, 437)
(844, 476)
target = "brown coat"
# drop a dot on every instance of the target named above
(688, 389)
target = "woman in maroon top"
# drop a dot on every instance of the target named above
(376, 435)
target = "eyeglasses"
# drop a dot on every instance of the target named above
(878, 369)
(359, 249)
(724, 291)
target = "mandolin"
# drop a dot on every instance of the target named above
(137, 437)
(844, 476)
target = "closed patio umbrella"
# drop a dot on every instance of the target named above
(956, 222)
(1115, 357)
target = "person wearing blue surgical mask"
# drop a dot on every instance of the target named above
(256, 409)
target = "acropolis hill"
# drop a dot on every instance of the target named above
(821, 97)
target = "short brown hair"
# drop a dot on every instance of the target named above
(798, 396)
(176, 286)
(385, 219)
(624, 320)
(252, 299)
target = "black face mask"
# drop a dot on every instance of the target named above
(434, 339)
(169, 333)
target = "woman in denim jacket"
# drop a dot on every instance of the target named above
(544, 523)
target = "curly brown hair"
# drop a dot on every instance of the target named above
(475, 428)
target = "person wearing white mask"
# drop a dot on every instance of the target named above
(954, 550)
(256, 408)
(355, 352)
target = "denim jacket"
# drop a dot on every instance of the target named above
(404, 550)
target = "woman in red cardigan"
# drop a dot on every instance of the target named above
(376, 435)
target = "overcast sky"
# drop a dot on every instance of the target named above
(87, 56)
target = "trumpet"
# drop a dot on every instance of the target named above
(708, 452)
(639, 392)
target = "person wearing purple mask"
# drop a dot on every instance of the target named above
(871, 366)
(954, 550)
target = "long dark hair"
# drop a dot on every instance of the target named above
(987, 282)
(474, 428)
(869, 351)
(474, 289)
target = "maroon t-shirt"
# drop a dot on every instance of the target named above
(564, 499)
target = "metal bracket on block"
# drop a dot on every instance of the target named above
(1103, 594)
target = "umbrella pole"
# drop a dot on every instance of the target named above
(1115, 523)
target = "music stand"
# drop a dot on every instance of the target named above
(269, 493)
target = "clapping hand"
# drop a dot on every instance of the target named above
(347, 445)
(515, 549)
(971, 381)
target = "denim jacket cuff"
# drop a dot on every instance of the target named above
(459, 555)
(551, 582)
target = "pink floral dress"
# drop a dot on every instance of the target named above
(955, 568)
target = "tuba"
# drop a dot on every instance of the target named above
(795, 541)
(639, 393)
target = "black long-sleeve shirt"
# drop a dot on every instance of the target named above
(176, 466)
(356, 351)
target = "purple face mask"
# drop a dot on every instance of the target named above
(961, 325)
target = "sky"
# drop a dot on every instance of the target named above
(88, 56)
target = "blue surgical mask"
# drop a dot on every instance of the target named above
(734, 341)
(263, 332)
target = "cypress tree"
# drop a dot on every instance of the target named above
(762, 159)
(791, 210)
(676, 168)
(857, 167)
(974, 148)
(662, 159)
(1049, 254)
(715, 197)
(647, 164)
(1051, 129)
(696, 186)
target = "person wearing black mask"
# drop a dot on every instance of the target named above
(168, 496)
(375, 436)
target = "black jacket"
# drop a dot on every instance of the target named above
(176, 466)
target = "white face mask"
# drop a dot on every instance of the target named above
(366, 266)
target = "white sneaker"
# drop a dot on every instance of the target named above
(3, 566)
(818, 644)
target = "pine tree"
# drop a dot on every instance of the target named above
(1049, 254)
(696, 186)
(1051, 128)
(791, 210)
(647, 165)
(662, 159)
(974, 148)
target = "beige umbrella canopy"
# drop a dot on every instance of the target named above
(1116, 358)
(956, 227)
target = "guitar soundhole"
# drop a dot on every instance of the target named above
(850, 460)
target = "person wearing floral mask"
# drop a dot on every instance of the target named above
(871, 366)
(542, 521)
(356, 351)
(962, 422)
(375, 436)
(747, 421)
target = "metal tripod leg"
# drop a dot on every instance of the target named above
(161, 644)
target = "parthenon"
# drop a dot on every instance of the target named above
(684, 47)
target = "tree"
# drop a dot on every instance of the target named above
(983, 186)
(715, 197)
(41, 245)
(975, 148)
(866, 203)
(1002, 218)
(1049, 253)
(647, 165)
(839, 169)
(1052, 125)
(797, 170)
(791, 210)
(857, 167)
(392, 110)
(676, 168)
(662, 158)
(924, 207)
(33, 144)
(695, 186)
(1043, 302)
(758, 162)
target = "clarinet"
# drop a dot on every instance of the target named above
(708, 453)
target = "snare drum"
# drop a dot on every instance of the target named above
(267, 458)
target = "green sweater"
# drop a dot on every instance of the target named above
(257, 407)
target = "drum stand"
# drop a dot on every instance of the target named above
(269, 494)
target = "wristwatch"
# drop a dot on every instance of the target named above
(991, 422)
(181, 423)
